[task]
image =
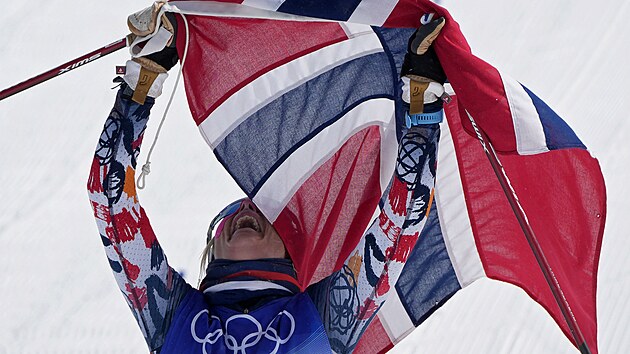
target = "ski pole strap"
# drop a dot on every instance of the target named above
(412, 120)
(416, 96)
(145, 81)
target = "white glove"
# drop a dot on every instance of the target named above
(149, 25)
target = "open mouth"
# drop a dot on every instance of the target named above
(247, 222)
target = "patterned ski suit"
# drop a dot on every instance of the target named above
(239, 316)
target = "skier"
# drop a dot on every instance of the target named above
(249, 299)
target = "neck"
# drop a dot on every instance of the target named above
(233, 283)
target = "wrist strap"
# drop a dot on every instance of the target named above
(416, 96)
(141, 79)
(424, 118)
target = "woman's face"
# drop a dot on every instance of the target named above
(248, 235)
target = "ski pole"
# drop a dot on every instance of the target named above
(64, 68)
(548, 274)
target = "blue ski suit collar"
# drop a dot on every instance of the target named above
(248, 284)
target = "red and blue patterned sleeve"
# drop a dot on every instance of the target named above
(349, 299)
(151, 287)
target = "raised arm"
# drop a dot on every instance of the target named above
(351, 297)
(151, 287)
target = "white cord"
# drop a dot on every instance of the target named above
(146, 168)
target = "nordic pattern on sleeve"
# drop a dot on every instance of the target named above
(359, 289)
(152, 288)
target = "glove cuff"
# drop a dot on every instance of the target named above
(144, 81)
(433, 92)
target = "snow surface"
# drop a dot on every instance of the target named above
(58, 294)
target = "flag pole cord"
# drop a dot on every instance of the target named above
(64, 68)
(550, 277)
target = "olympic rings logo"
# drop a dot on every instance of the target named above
(248, 341)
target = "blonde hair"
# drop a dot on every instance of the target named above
(206, 258)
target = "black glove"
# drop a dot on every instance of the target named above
(421, 63)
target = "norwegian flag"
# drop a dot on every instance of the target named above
(302, 111)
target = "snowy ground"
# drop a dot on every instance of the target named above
(58, 294)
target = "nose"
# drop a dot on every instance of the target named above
(247, 204)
